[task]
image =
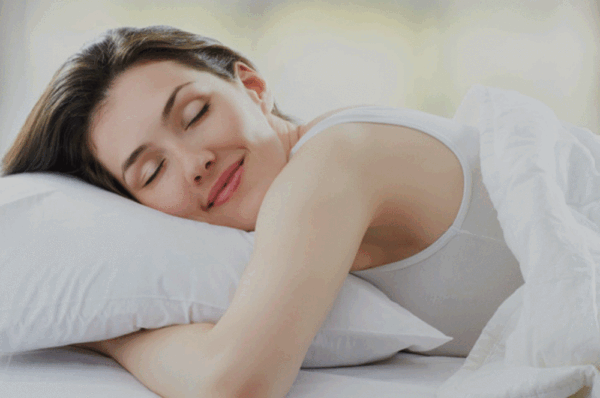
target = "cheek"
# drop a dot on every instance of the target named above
(241, 125)
(170, 198)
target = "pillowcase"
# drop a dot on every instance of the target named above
(80, 264)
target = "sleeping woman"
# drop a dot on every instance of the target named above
(185, 125)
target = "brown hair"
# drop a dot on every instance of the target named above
(55, 135)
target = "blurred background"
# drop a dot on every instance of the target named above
(321, 55)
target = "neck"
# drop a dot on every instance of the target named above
(289, 133)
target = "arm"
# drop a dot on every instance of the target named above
(170, 361)
(308, 232)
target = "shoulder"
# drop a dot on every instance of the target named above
(306, 127)
(337, 132)
(325, 157)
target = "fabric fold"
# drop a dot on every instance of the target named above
(543, 176)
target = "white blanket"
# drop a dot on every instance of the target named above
(543, 176)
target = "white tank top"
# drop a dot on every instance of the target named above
(458, 282)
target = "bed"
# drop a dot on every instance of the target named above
(73, 372)
(543, 176)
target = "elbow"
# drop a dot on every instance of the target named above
(245, 371)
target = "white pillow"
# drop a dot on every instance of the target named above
(79, 264)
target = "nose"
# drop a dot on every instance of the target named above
(198, 165)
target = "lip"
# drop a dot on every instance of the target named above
(231, 176)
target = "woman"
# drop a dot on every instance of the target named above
(187, 126)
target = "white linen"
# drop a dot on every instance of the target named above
(71, 372)
(543, 177)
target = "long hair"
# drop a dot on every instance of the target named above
(55, 136)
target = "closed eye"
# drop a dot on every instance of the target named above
(198, 116)
(155, 174)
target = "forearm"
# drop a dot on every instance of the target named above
(178, 361)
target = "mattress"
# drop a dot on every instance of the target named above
(69, 372)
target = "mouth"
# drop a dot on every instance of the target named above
(226, 185)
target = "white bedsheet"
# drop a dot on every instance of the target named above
(543, 176)
(70, 372)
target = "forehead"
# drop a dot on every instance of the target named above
(154, 75)
(149, 82)
(133, 108)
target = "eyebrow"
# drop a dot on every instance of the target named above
(171, 101)
(132, 158)
(165, 115)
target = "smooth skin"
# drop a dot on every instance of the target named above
(357, 196)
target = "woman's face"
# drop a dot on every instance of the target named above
(189, 143)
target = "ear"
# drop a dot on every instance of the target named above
(255, 85)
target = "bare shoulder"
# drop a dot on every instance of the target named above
(334, 139)
(408, 156)
(372, 136)
(415, 179)
(324, 116)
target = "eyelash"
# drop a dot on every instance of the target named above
(198, 116)
(153, 176)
